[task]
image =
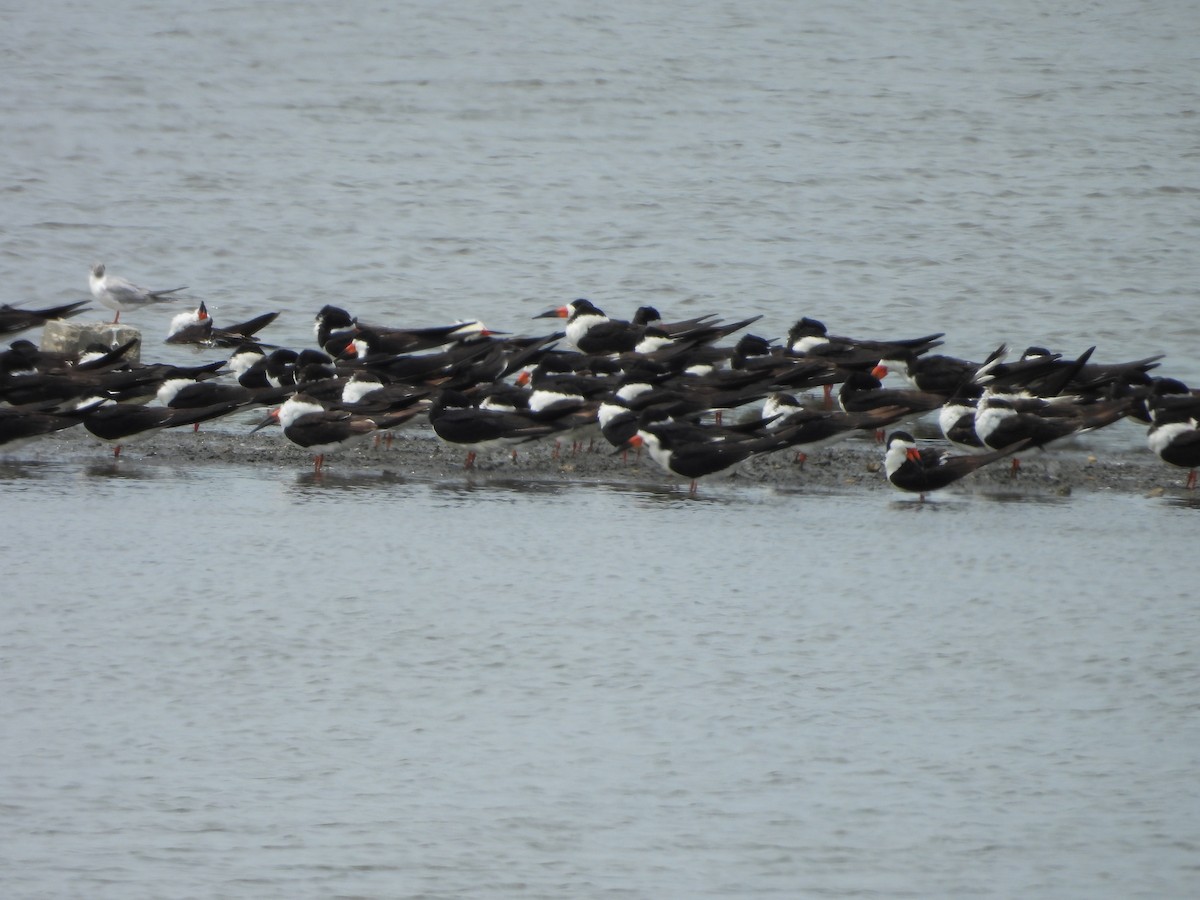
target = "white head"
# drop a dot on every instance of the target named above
(651, 342)
(170, 388)
(244, 358)
(187, 319)
(296, 406)
(360, 385)
(901, 447)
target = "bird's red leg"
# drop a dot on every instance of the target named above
(470, 463)
(1191, 481)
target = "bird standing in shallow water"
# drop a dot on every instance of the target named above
(310, 424)
(1174, 433)
(921, 471)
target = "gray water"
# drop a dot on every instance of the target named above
(263, 685)
(224, 682)
(1021, 173)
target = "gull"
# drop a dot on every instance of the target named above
(121, 295)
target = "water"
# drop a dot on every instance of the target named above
(249, 683)
(222, 682)
(1025, 175)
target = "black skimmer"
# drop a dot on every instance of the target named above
(310, 424)
(65, 382)
(589, 330)
(122, 423)
(814, 429)
(374, 340)
(1002, 420)
(1177, 443)
(863, 391)
(1086, 377)
(197, 327)
(410, 367)
(809, 337)
(950, 375)
(21, 425)
(284, 366)
(457, 421)
(645, 388)
(782, 371)
(502, 397)
(617, 415)
(367, 391)
(1174, 435)
(23, 356)
(941, 374)
(691, 348)
(553, 395)
(121, 295)
(367, 394)
(648, 315)
(333, 328)
(1169, 398)
(956, 419)
(187, 393)
(14, 319)
(693, 451)
(923, 470)
(248, 365)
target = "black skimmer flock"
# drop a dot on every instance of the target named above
(121, 295)
(644, 382)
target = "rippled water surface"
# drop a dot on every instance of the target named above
(1022, 173)
(218, 682)
(247, 683)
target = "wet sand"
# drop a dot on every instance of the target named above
(416, 452)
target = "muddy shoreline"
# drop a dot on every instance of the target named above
(417, 453)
